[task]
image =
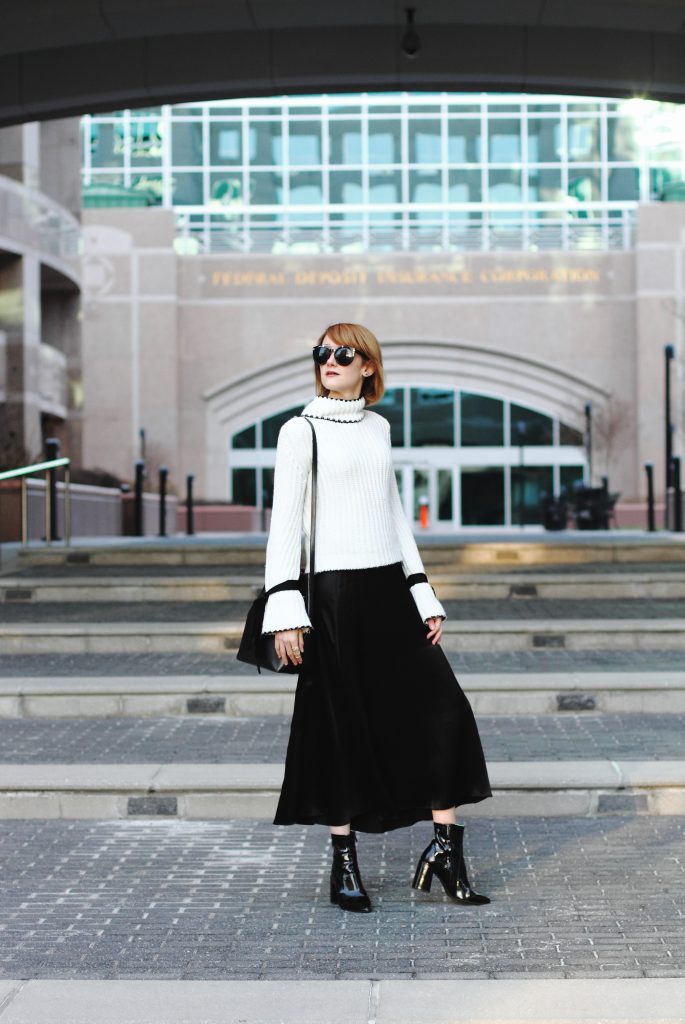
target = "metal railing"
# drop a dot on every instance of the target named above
(38, 467)
(36, 221)
(598, 227)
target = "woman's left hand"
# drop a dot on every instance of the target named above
(434, 628)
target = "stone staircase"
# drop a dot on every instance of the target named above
(149, 632)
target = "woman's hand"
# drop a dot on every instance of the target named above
(434, 628)
(289, 645)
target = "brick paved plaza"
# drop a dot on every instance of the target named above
(571, 898)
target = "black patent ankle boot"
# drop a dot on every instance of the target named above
(444, 857)
(347, 888)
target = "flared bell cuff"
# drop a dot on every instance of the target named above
(426, 601)
(285, 610)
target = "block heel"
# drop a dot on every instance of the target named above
(423, 877)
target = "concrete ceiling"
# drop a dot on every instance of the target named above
(66, 57)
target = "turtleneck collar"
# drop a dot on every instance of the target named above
(344, 410)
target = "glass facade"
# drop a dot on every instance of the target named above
(409, 171)
(457, 450)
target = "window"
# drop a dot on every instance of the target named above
(266, 188)
(385, 187)
(346, 187)
(624, 183)
(186, 144)
(225, 142)
(504, 141)
(432, 417)
(463, 141)
(304, 143)
(385, 146)
(266, 143)
(345, 141)
(391, 406)
(425, 187)
(482, 496)
(583, 139)
(445, 497)
(529, 484)
(544, 140)
(544, 185)
(424, 142)
(145, 140)
(245, 438)
(570, 436)
(244, 486)
(187, 188)
(482, 420)
(306, 187)
(272, 425)
(464, 186)
(505, 187)
(569, 476)
(529, 427)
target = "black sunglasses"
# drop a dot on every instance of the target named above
(344, 354)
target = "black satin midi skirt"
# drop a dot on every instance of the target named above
(381, 732)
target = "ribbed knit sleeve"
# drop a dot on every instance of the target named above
(423, 593)
(286, 609)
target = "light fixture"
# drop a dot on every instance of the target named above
(411, 44)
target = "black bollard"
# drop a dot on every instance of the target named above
(138, 499)
(52, 452)
(677, 495)
(163, 474)
(651, 520)
(669, 354)
(189, 503)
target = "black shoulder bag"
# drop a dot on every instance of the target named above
(257, 648)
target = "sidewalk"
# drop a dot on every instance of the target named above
(349, 1002)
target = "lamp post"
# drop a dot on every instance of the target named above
(669, 353)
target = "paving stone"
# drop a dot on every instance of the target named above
(208, 739)
(571, 897)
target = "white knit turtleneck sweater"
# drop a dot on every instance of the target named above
(360, 521)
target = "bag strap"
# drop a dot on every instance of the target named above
(312, 519)
(416, 577)
(419, 577)
(286, 585)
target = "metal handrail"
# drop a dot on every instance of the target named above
(23, 472)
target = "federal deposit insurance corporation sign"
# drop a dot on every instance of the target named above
(291, 277)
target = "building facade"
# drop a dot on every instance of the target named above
(40, 279)
(513, 254)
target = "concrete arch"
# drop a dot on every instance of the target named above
(236, 404)
(111, 55)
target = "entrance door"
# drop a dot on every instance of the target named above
(434, 485)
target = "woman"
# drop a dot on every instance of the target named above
(382, 735)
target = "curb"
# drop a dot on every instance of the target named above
(245, 696)
(211, 791)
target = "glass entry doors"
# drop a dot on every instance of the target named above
(432, 486)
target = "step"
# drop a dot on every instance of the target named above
(357, 1000)
(605, 585)
(255, 695)
(504, 548)
(229, 791)
(475, 635)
